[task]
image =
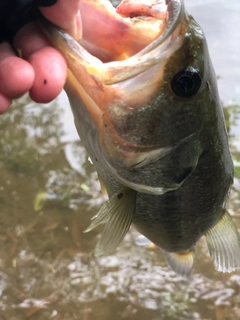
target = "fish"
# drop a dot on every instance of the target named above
(146, 106)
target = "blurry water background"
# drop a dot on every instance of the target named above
(49, 191)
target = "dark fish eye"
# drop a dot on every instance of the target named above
(187, 82)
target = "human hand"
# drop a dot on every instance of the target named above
(38, 68)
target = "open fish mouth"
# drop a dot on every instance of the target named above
(115, 72)
(117, 34)
(136, 32)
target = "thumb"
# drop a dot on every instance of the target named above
(64, 14)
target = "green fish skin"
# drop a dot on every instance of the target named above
(154, 128)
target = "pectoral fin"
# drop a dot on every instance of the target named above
(223, 242)
(117, 212)
(181, 262)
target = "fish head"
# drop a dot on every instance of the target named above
(139, 86)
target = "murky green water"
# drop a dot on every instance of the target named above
(49, 191)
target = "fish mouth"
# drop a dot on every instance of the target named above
(130, 39)
(115, 70)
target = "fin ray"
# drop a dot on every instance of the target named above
(181, 262)
(223, 242)
(122, 210)
(103, 214)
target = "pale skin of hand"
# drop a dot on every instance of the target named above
(41, 70)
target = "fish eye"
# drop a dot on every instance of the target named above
(186, 82)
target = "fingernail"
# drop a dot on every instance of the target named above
(46, 3)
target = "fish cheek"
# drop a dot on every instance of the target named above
(162, 123)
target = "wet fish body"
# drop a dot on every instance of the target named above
(149, 114)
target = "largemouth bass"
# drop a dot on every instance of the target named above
(146, 106)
